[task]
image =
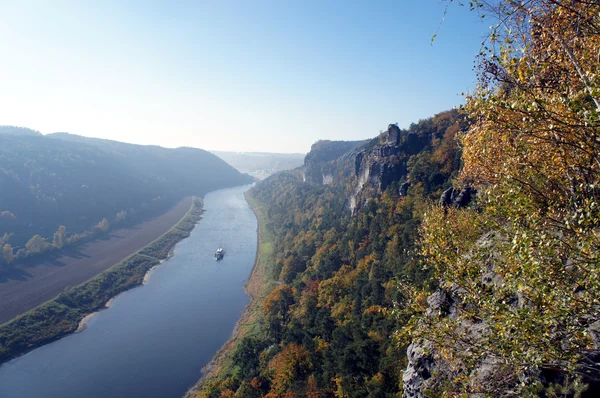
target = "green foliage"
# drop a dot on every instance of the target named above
(326, 326)
(61, 179)
(525, 267)
(37, 244)
(60, 237)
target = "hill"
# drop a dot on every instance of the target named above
(87, 185)
(21, 131)
(343, 229)
(261, 164)
(459, 258)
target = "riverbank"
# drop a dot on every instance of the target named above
(62, 315)
(83, 323)
(258, 285)
(26, 286)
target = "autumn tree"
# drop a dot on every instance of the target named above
(103, 225)
(276, 309)
(7, 253)
(525, 265)
(37, 244)
(288, 367)
(60, 237)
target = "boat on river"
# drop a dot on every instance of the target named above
(219, 254)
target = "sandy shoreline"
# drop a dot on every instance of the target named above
(83, 323)
(35, 285)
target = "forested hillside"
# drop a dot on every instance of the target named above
(63, 188)
(13, 130)
(324, 327)
(389, 284)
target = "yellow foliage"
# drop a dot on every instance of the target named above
(527, 262)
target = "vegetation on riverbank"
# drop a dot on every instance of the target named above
(61, 190)
(514, 273)
(258, 286)
(61, 316)
(321, 326)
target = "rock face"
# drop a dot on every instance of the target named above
(422, 365)
(426, 369)
(376, 169)
(378, 166)
(458, 199)
(403, 190)
(418, 372)
(393, 134)
(319, 167)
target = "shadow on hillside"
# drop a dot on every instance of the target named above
(18, 271)
(59, 258)
(14, 273)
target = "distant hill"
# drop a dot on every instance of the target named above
(64, 179)
(261, 164)
(13, 130)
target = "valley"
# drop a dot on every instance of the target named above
(26, 286)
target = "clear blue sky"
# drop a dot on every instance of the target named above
(232, 75)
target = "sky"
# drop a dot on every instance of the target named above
(268, 76)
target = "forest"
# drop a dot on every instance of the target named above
(414, 290)
(324, 326)
(60, 189)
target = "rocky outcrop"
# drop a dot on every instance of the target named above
(422, 362)
(418, 373)
(428, 371)
(318, 163)
(458, 199)
(393, 134)
(379, 166)
(403, 190)
(376, 169)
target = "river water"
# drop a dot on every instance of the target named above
(154, 340)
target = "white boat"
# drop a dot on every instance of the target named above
(219, 254)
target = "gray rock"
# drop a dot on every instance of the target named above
(418, 371)
(393, 134)
(452, 197)
(465, 197)
(447, 197)
(403, 191)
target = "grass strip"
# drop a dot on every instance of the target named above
(61, 316)
(258, 286)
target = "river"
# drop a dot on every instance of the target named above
(154, 340)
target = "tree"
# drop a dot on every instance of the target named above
(276, 308)
(121, 216)
(103, 225)
(526, 264)
(37, 244)
(287, 367)
(60, 237)
(7, 253)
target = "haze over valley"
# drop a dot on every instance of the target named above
(262, 199)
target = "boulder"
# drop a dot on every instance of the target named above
(458, 199)
(447, 197)
(464, 197)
